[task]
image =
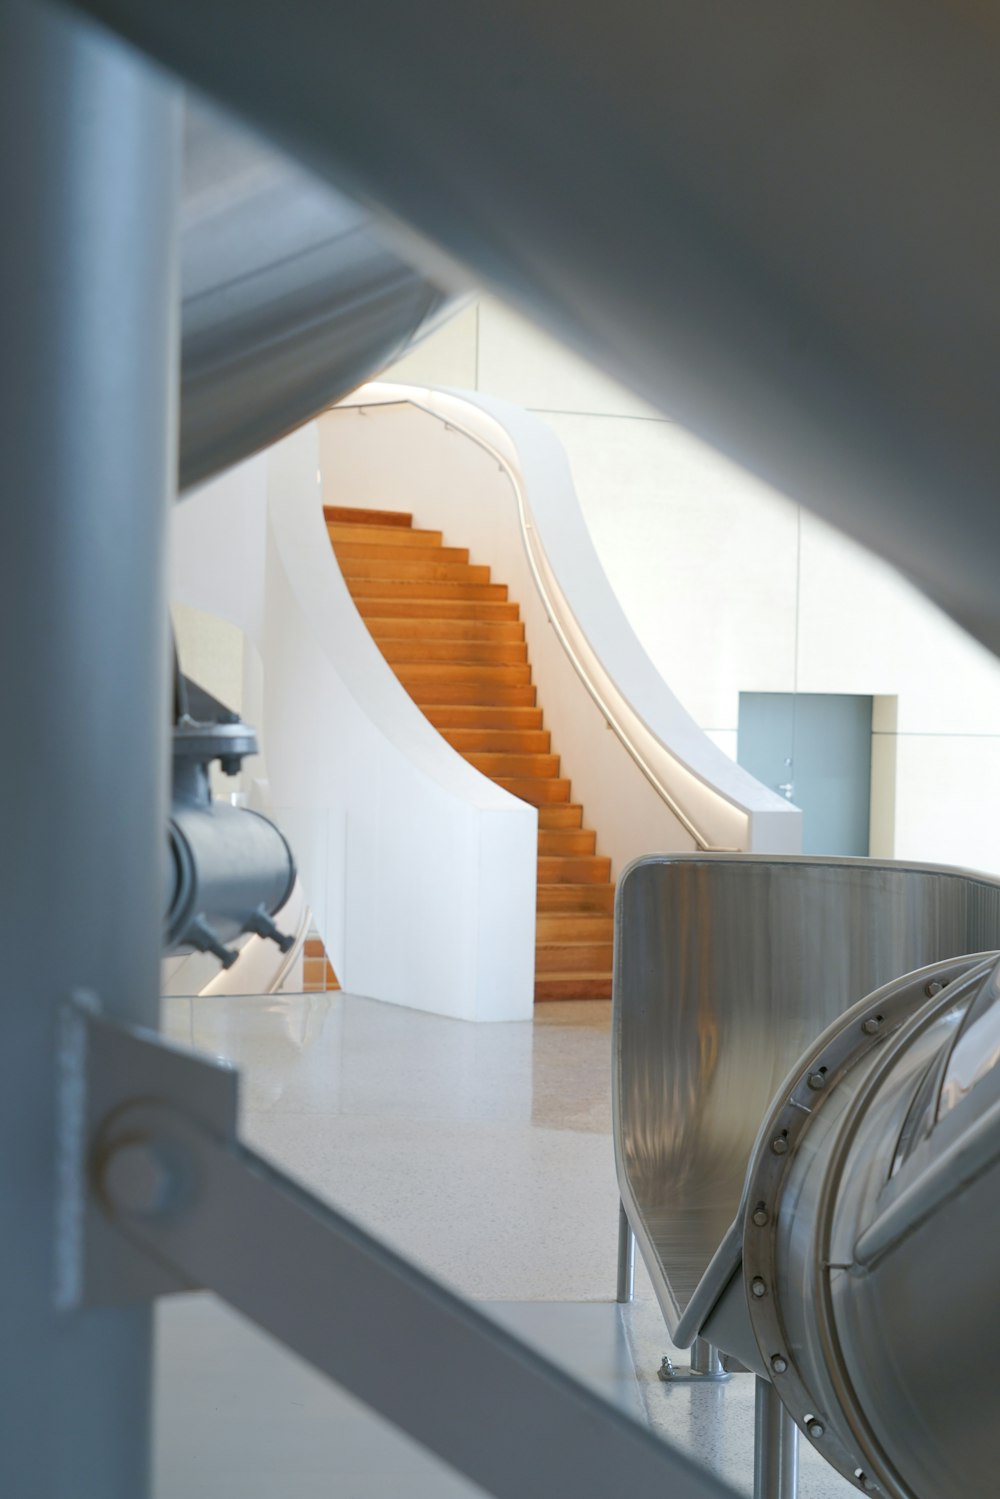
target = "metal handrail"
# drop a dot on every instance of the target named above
(702, 843)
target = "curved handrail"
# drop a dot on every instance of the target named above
(702, 842)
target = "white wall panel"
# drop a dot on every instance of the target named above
(728, 592)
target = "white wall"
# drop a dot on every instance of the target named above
(404, 447)
(420, 872)
(732, 587)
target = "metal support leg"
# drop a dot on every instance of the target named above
(626, 1256)
(706, 1360)
(706, 1366)
(776, 1447)
(87, 306)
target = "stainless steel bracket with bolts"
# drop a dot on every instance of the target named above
(158, 1195)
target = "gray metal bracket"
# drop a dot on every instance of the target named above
(103, 1068)
(707, 1366)
(159, 1196)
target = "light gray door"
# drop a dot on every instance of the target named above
(815, 748)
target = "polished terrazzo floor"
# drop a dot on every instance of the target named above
(482, 1152)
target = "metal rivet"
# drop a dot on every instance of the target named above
(137, 1179)
(779, 1364)
(779, 1145)
(817, 1080)
(760, 1216)
(934, 987)
(758, 1286)
(872, 1025)
(815, 1428)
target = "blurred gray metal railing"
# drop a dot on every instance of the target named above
(726, 968)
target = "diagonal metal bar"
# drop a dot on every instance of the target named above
(219, 1215)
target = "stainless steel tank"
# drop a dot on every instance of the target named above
(291, 296)
(870, 1236)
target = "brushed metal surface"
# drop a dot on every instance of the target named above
(812, 1207)
(726, 969)
(862, 1251)
(291, 296)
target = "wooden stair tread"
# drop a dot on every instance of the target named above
(467, 652)
(499, 741)
(573, 957)
(354, 533)
(375, 551)
(470, 694)
(567, 841)
(574, 869)
(573, 986)
(390, 630)
(567, 815)
(385, 606)
(477, 674)
(482, 716)
(495, 765)
(535, 789)
(574, 926)
(366, 517)
(576, 899)
(317, 970)
(412, 571)
(447, 590)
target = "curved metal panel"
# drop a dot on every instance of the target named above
(850, 1255)
(291, 297)
(726, 970)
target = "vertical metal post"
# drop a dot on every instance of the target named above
(706, 1359)
(776, 1447)
(626, 1256)
(88, 176)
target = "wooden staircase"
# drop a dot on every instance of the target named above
(318, 976)
(456, 642)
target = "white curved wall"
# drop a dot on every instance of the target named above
(732, 587)
(376, 449)
(420, 872)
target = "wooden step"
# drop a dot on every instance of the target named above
(567, 841)
(354, 517)
(349, 552)
(535, 789)
(412, 588)
(574, 926)
(568, 815)
(479, 652)
(461, 631)
(499, 741)
(444, 607)
(480, 716)
(397, 536)
(574, 869)
(356, 568)
(573, 986)
(495, 766)
(318, 976)
(449, 673)
(573, 957)
(431, 695)
(576, 899)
